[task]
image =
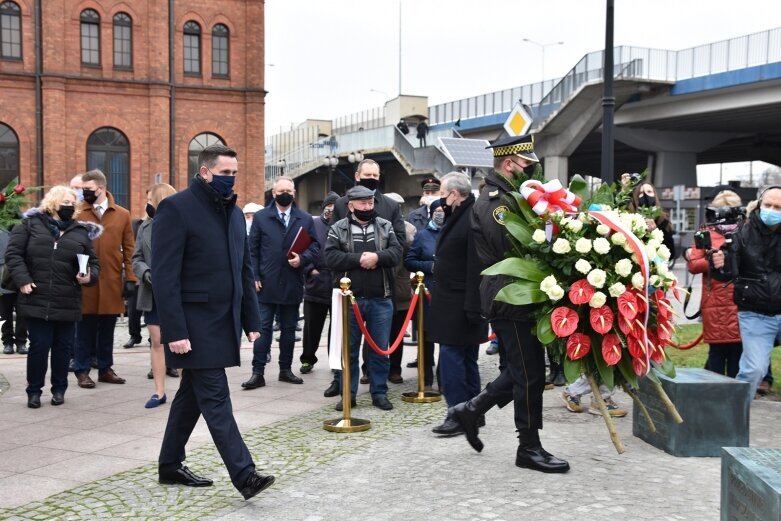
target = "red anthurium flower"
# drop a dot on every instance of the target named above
(601, 319)
(627, 305)
(580, 292)
(639, 365)
(664, 331)
(19, 189)
(578, 346)
(626, 325)
(657, 353)
(642, 300)
(564, 321)
(635, 346)
(2, 198)
(611, 348)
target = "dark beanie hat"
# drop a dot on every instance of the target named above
(331, 198)
(436, 203)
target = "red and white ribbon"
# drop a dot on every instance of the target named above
(549, 197)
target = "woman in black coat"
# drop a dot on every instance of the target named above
(41, 259)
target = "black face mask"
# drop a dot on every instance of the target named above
(90, 196)
(529, 169)
(647, 200)
(284, 199)
(365, 215)
(66, 212)
(445, 207)
(150, 210)
(369, 183)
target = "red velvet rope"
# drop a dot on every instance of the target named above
(377, 349)
(686, 346)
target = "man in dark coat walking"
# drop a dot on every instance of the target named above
(454, 320)
(279, 277)
(205, 296)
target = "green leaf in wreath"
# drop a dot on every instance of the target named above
(625, 366)
(605, 371)
(572, 369)
(520, 232)
(545, 332)
(518, 268)
(521, 293)
(579, 187)
(525, 208)
(653, 376)
(667, 367)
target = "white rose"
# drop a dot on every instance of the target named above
(650, 248)
(627, 219)
(547, 283)
(582, 217)
(597, 278)
(603, 229)
(601, 245)
(583, 266)
(619, 239)
(635, 259)
(638, 280)
(616, 290)
(555, 293)
(561, 246)
(657, 235)
(574, 225)
(654, 281)
(565, 221)
(628, 248)
(582, 245)
(653, 242)
(597, 300)
(661, 268)
(663, 252)
(640, 226)
(624, 267)
(539, 236)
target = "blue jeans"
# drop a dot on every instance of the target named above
(377, 312)
(458, 373)
(95, 332)
(261, 348)
(45, 335)
(759, 333)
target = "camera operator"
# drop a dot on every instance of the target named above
(753, 260)
(719, 313)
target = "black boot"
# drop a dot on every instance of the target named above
(469, 414)
(531, 455)
(449, 427)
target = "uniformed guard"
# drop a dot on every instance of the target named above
(523, 381)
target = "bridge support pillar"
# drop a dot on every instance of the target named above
(675, 168)
(555, 167)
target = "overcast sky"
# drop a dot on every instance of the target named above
(328, 56)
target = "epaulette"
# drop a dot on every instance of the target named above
(493, 195)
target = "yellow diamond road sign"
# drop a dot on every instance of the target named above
(519, 122)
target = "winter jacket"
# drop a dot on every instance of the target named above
(419, 217)
(386, 208)
(318, 288)
(719, 312)
(142, 263)
(35, 256)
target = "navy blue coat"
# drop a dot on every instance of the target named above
(202, 277)
(319, 288)
(269, 242)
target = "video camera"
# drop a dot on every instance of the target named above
(725, 214)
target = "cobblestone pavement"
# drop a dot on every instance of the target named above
(396, 470)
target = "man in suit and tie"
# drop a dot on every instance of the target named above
(204, 292)
(279, 277)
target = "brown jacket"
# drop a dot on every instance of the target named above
(114, 250)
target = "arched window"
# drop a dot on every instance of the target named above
(123, 41)
(90, 37)
(9, 155)
(108, 150)
(192, 48)
(10, 31)
(220, 51)
(198, 143)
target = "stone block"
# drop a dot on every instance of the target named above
(714, 408)
(750, 484)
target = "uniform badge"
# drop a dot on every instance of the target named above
(499, 212)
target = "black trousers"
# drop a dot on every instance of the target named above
(724, 358)
(49, 336)
(205, 392)
(314, 321)
(133, 315)
(12, 335)
(523, 380)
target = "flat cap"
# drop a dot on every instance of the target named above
(359, 192)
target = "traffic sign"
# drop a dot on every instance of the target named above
(519, 121)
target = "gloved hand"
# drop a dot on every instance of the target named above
(130, 289)
(148, 277)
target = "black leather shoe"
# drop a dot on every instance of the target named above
(469, 414)
(182, 476)
(537, 458)
(33, 401)
(414, 363)
(21, 349)
(340, 405)
(382, 402)
(559, 380)
(256, 484)
(286, 375)
(8, 349)
(172, 372)
(449, 427)
(255, 381)
(58, 398)
(132, 342)
(333, 389)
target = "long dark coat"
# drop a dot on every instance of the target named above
(455, 303)
(202, 275)
(319, 288)
(269, 242)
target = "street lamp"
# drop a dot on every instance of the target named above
(542, 46)
(355, 157)
(380, 92)
(330, 162)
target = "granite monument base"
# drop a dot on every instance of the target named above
(714, 408)
(750, 484)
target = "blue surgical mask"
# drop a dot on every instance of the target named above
(223, 184)
(770, 217)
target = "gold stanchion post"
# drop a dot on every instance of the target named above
(346, 423)
(421, 396)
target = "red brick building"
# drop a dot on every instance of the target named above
(134, 88)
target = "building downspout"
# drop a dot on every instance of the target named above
(171, 97)
(39, 181)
